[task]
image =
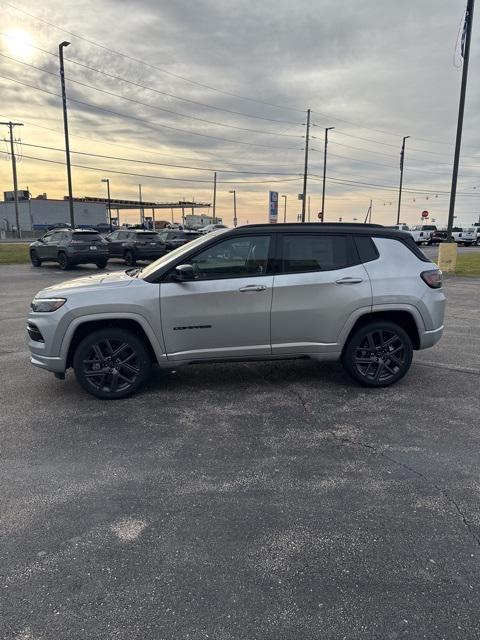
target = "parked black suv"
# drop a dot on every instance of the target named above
(135, 244)
(69, 247)
(173, 238)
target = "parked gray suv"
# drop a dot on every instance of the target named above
(360, 293)
(70, 247)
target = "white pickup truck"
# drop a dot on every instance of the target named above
(466, 236)
(421, 234)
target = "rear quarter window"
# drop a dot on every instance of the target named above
(316, 252)
(367, 251)
(87, 237)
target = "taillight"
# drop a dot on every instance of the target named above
(432, 278)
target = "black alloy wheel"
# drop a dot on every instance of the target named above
(378, 354)
(111, 363)
(129, 258)
(63, 261)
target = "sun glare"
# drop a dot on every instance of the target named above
(19, 43)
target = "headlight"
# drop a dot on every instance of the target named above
(46, 305)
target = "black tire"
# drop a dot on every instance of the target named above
(101, 264)
(35, 260)
(378, 354)
(63, 261)
(129, 258)
(114, 379)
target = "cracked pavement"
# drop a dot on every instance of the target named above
(268, 501)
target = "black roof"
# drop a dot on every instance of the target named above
(355, 228)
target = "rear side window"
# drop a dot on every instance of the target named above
(316, 252)
(88, 237)
(366, 248)
(147, 236)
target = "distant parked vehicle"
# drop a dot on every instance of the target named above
(134, 244)
(399, 227)
(466, 236)
(212, 227)
(174, 238)
(422, 233)
(104, 227)
(70, 247)
(59, 225)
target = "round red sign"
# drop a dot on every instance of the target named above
(424, 214)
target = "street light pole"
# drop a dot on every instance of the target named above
(402, 158)
(284, 209)
(107, 180)
(327, 129)
(234, 207)
(61, 47)
(10, 126)
(214, 197)
(461, 109)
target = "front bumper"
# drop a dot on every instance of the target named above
(55, 365)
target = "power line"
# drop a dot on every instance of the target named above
(161, 164)
(389, 187)
(157, 177)
(162, 93)
(148, 122)
(151, 106)
(147, 64)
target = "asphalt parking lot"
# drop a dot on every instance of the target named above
(249, 501)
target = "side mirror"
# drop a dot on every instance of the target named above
(183, 273)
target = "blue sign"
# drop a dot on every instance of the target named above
(273, 207)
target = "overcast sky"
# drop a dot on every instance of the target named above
(376, 70)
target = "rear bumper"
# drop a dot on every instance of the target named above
(87, 256)
(429, 338)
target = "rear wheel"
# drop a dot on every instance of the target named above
(129, 258)
(63, 261)
(378, 354)
(101, 264)
(111, 363)
(35, 260)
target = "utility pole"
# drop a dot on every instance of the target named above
(61, 46)
(368, 217)
(10, 126)
(142, 210)
(305, 171)
(285, 209)
(309, 208)
(214, 197)
(467, 34)
(402, 158)
(234, 207)
(327, 129)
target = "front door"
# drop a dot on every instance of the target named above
(319, 286)
(224, 312)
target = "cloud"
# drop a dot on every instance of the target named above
(374, 70)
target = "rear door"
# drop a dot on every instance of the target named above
(225, 311)
(318, 287)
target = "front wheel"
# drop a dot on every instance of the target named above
(111, 363)
(35, 260)
(378, 354)
(129, 258)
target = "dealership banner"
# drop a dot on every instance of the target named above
(273, 207)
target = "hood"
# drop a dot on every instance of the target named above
(117, 279)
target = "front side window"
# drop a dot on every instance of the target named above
(233, 258)
(304, 253)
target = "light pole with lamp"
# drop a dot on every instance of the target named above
(61, 47)
(284, 208)
(107, 180)
(234, 206)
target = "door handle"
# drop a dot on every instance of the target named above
(252, 288)
(349, 280)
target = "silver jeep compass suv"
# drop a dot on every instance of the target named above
(364, 294)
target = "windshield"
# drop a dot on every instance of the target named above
(176, 253)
